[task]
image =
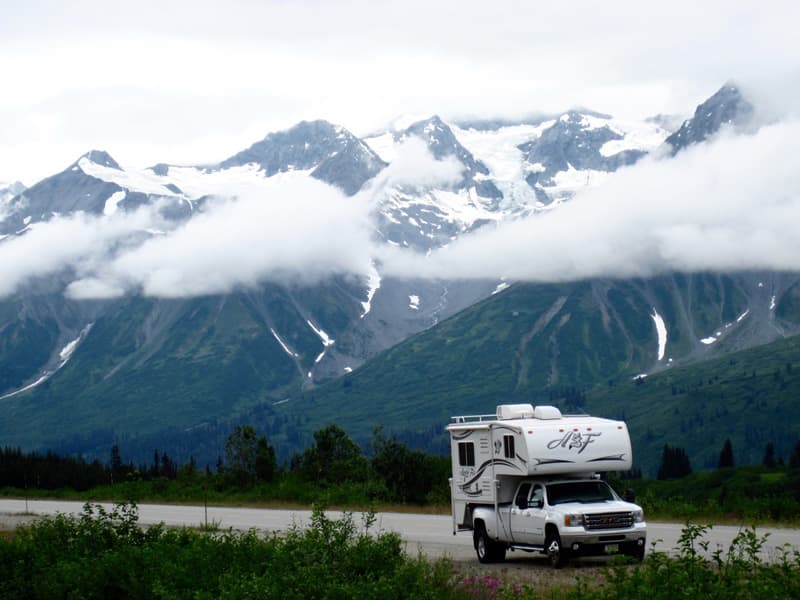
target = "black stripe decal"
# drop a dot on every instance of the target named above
(619, 457)
(552, 461)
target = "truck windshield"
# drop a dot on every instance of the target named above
(579, 491)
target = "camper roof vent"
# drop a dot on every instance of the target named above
(514, 411)
(546, 412)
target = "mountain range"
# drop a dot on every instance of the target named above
(84, 372)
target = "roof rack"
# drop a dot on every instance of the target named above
(473, 418)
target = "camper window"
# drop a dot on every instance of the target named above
(466, 454)
(508, 446)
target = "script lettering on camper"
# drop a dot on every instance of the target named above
(573, 440)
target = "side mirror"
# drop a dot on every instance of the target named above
(536, 503)
(630, 496)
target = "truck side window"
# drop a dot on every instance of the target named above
(522, 495)
(508, 446)
(466, 454)
(537, 497)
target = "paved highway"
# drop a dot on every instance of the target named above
(432, 534)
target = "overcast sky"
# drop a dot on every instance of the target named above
(193, 82)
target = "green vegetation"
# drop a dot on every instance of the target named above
(529, 345)
(180, 375)
(749, 397)
(333, 471)
(750, 494)
(105, 554)
(739, 572)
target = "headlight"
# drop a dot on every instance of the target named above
(573, 520)
(638, 516)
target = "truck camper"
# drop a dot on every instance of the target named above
(510, 472)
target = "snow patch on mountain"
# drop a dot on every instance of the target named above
(7, 192)
(373, 284)
(499, 151)
(113, 203)
(567, 183)
(637, 135)
(383, 145)
(500, 287)
(283, 344)
(134, 181)
(661, 329)
(326, 339)
(64, 355)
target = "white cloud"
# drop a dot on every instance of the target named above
(295, 229)
(413, 165)
(137, 80)
(62, 243)
(299, 231)
(729, 205)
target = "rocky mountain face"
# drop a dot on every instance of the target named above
(726, 108)
(575, 142)
(331, 154)
(179, 363)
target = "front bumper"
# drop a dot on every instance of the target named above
(580, 542)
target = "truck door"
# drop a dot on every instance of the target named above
(527, 516)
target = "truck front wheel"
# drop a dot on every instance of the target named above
(556, 553)
(487, 549)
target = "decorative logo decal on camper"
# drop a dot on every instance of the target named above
(573, 440)
(479, 473)
(498, 445)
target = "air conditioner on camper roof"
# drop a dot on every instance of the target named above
(514, 411)
(527, 411)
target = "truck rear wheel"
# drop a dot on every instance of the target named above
(487, 549)
(556, 553)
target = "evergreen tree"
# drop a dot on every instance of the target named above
(674, 463)
(769, 456)
(241, 449)
(408, 475)
(333, 458)
(794, 457)
(266, 462)
(726, 455)
(116, 464)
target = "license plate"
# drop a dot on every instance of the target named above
(611, 548)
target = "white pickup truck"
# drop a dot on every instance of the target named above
(528, 479)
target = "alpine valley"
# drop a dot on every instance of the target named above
(144, 370)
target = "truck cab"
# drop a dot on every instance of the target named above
(563, 518)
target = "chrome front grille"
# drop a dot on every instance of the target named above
(616, 520)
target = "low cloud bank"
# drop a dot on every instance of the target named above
(299, 230)
(733, 204)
